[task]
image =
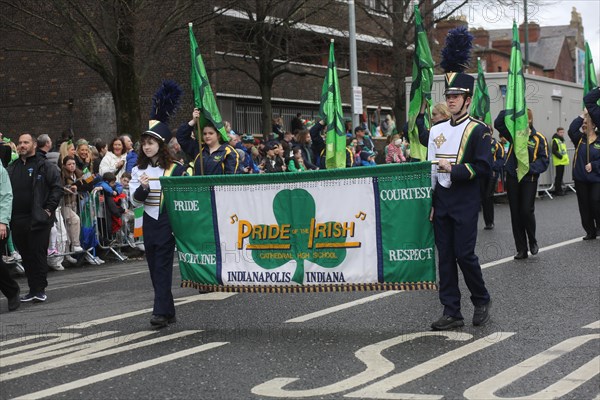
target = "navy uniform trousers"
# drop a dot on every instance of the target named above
(159, 243)
(455, 237)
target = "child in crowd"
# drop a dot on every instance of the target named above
(394, 151)
(296, 163)
(113, 194)
(272, 162)
(367, 158)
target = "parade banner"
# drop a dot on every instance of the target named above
(331, 230)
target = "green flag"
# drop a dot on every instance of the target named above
(331, 113)
(204, 99)
(480, 107)
(516, 110)
(420, 90)
(590, 80)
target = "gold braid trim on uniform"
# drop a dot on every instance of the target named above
(349, 287)
(465, 139)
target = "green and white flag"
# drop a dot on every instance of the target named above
(204, 99)
(590, 80)
(331, 230)
(420, 90)
(516, 109)
(480, 107)
(331, 113)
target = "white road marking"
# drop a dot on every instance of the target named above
(49, 351)
(511, 258)
(344, 306)
(70, 285)
(58, 337)
(382, 389)
(593, 325)
(376, 365)
(184, 300)
(487, 388)
(119, 371)
(95, 350)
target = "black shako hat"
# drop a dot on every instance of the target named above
(455, 59)
(164, 105)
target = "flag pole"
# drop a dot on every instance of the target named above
(197, 125)
(199, 138)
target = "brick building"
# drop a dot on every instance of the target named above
(57, 95)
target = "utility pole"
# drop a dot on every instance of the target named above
(355, 91)
(526, 37)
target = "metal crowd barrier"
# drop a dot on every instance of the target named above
(547, 188)
(96, 231)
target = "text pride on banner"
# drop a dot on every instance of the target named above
(516, 109)
(332, 230)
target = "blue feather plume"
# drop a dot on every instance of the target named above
(457, 50)
(165, 101)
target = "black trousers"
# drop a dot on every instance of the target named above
(588, 199)
(487, 198)
(521, 200)
(33, 247)
(159, 244)
(455, 238)
(558, 179)
(8, 286)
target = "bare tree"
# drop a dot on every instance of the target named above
(103, 36)
(267, 37)
(400, 29)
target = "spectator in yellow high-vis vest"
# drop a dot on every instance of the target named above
(560, 158)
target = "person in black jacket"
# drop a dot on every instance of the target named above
(586, 165)
(216, 158)
(521, 194)
(37, 192)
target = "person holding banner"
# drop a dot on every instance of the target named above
(155, 161)
(583, 131)
(217, 158)
(522, 193)
(461, 148)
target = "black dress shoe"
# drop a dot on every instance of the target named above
(534, 249)
(521, 255)
(15, 301)
(489, 227)
(447, 322)
(159, 321)
(589, 236)
(482, 314)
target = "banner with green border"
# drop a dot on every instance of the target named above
(329, 230)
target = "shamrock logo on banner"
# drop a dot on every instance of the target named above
(296, 208)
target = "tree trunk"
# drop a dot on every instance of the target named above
(266, 90)
(127, 84)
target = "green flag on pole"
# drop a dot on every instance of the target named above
(331, 113)
(516, 110)
(480, 107)
(420, 90)
(204, 99)
(590, 80)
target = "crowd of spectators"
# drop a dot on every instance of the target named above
(95, 175)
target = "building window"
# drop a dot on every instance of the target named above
(379, 6)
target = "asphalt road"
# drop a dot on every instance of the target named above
(92, 339)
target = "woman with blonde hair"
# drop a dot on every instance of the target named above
(66, 149)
